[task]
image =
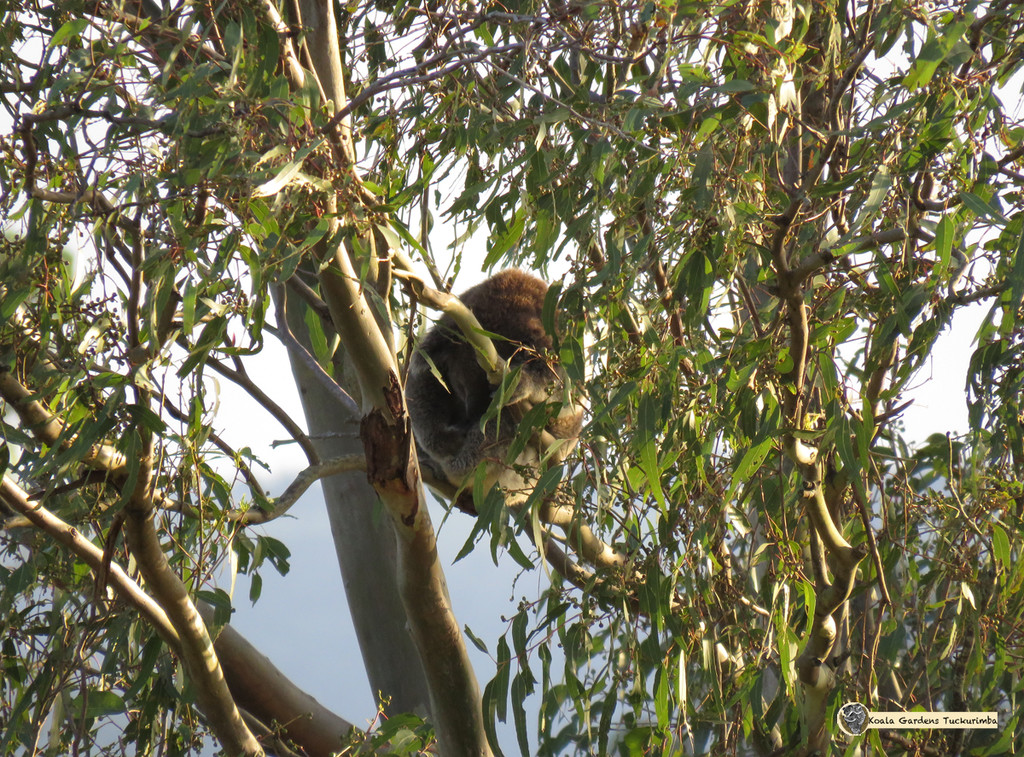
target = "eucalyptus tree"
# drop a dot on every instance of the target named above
(762, 216)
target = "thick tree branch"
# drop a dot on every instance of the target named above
(486, 354)
(391, 468)
(580, 537)
(47, 427)
(255, 682)
(17, 500)
(197, 652)
(262, 689)
(823, 257)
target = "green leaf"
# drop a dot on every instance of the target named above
(1011, 308)
(502, 676)
(752, 458)
(317, 339)
(98, 703)
(69, 30)
(188, 319)
(508, 240)
(221, 603)
(661, 697)
(701, 178)
(520, 690)
(844, 440)
(933, 52)
(555, 115)
(983, 209)
(283, 177)
(255, 587)
(1001, 546)
(1005, 743)
(652, 473)
(881, 183)
(476, 640)
(736, 85)
(489, 703)
(151, 652)
(12, 299)
(944, 232)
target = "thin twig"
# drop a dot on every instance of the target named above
(241, 378)
(306, 478)
(284, 333)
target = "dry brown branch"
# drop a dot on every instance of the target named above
(293, 345)
(240, 377)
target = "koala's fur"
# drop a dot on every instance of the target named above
(447, 417)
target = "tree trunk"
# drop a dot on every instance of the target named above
(364, 540)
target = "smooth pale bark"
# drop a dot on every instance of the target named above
(262, 689)
(391, 467)
(364, 539)
(368, 551)
(365, 544)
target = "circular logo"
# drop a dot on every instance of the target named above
(852, 718)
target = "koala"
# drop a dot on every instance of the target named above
(447, 417)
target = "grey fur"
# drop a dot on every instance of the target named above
(447, 417)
